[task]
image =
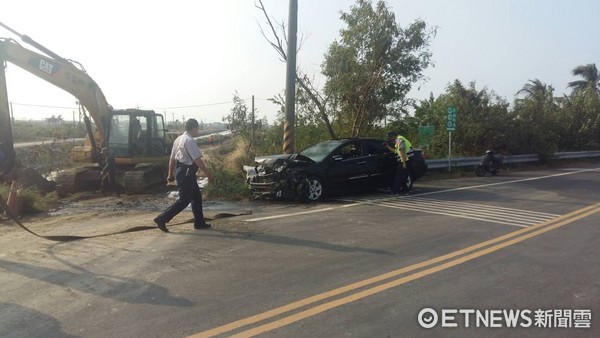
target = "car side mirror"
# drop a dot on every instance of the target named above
(337, 158)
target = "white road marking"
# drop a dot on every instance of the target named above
(507, 216)
(300, 213)
(371, 199)
(509, 182)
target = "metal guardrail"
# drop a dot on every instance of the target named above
(473, 161)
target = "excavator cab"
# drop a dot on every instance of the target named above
(136, 139)
(136, 134)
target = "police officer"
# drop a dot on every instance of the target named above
(185, 160)
(108, 173)
(403, 149)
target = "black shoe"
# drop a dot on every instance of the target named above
(202, 226)
(161, 225)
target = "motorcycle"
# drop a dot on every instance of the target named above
(490, 163)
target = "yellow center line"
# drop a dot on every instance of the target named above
(523, 234)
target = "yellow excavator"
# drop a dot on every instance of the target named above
(136, 138)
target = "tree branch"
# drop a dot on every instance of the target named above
(301, 80)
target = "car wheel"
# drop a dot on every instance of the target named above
(315, 189)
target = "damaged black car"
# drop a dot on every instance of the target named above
(327, 167)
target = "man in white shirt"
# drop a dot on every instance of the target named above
(185, 160)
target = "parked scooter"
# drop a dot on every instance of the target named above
(490, 163)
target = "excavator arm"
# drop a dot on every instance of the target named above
(136, 138)
(10, 167)
(7, 151)
(63, 74)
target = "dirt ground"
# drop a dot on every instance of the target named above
(109, 221)
(105, 217)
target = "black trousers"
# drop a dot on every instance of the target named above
(401, 179)
(109, 182)
(189, 192)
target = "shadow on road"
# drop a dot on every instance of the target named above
(118, 288)
(19, 321)
(283, 240)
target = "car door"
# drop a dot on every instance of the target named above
(349, 167)
(383, 162)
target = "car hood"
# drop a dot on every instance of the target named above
(266, 164)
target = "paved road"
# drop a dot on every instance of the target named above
(362, 266)
(39, 143)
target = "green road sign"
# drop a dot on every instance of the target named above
(425, 135)
(451, 121)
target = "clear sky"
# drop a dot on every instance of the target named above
(164, 55)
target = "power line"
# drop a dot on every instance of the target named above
(161, 108)
(41, 106)
(208, 104)
(196, 106)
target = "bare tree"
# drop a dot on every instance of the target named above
(279, 42)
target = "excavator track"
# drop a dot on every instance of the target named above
(137, 180)
(77, 180)
(142, 178)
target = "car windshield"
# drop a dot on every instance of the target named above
(319, 151)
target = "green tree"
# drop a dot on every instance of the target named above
(591, 79)
(309, 127)
(536, 119)
(585, 107)
(430, 112)
(239, 119)
(483, 121)
(537, 91)
(373, 65)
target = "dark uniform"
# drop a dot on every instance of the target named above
(404, 152)
(185, 150)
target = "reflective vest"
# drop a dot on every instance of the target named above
(407, 145)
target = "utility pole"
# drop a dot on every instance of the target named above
(12, 115)
(290, 88)
(252, 127)
(74, 128)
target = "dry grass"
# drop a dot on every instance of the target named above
(226, 162)
(240, 156)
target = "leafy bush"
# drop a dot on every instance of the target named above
(30, 201)
(228, 184)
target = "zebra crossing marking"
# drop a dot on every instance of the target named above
(480, 212)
